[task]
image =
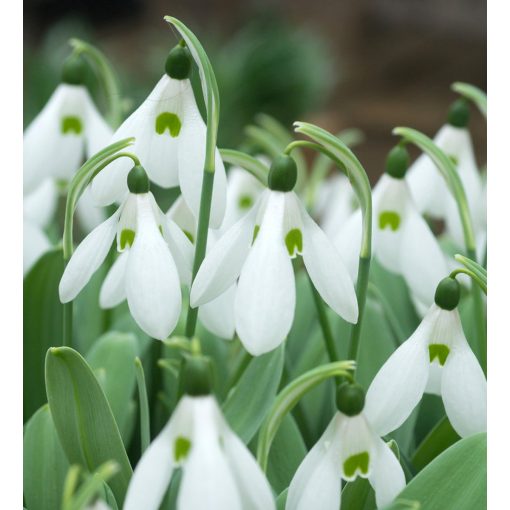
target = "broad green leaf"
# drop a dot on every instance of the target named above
(42, 326)
(358, 495)
(250, 400)
(83, 418)
(455, 480)
(430, 413)
(281, 500)
(441, 437)
(44, 463)
(286, 454)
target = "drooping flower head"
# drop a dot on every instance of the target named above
(435, 359)
(258, 250)
(152, 257)
(351, 446)
(170, 141)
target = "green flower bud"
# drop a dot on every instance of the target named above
(458, 114)
(74, 70)
(397, 162)
(137, 180)
(282, 174)
(447, 293)
(178, 63)
(350, 398)
(196, 376)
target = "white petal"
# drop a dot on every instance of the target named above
(98, 132)
(348, 243)
(113, 290)
(89, 215)
(387, 477)
(180, 248)
(316, 483)
(435, 377)
(191, 156)
(181, 214)
(152, 282)
(327, 271)
(87, 258)
(218, 315)
(399, 385)
(35, 244)
(464, 391)
(223, 263)
(40, 205)
(266, 294)
(152, 475)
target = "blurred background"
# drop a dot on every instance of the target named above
(367, 64)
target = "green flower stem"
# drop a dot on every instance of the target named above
(472, 275)
(212, 102)
(107, 77)
(252, 165)
(145, 434)
(474, 94)
(474, 267)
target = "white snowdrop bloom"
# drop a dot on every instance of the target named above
(258, 250)
(67, 129)
(147, 271)
(35, 244)
(429, 188)
(170, 141)
(435, 359)
(219, 472)
(217, 315)
(401, 239)
(351, 446)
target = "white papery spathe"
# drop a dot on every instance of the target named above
(219, 472)
(147, 271)
(349, 447)
(435, 359)
(170, 140)
(67, 129)
(258, 249)
(401, 240)
(218, 315)
(431, 193)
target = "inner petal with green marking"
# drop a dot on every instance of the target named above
(168, 121)
(71, 124)
(294, 242)
(181, 448)
(245, 202)
(389, 219)
(127, 237)
(356, 464)
(439, 352)
(255, 233)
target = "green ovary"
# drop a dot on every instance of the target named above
(439, 351)
(170, 121)
(71, 124)
(181, 448)
(127, 237)
(294, 241)
(389, 218)
(356, 464)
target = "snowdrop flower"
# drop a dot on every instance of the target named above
(258, 250)
(219, 472)
(350, 447)
(68, 128)
(429, 188)
(218, 315)
(147, 271)
(402, 241)
(170, 139)
(435, 359)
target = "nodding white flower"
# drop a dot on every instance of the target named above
(435, 359)
(429, 189)
(147, 271)
(170, 141)
(219, 472)
(67, 129)
(258, 250)
(351, 446)
(401, 239)
(218, 315)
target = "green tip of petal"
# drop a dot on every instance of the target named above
(170, 122)
(294, 242)
(71, 124)
(357, 464)
(439, 352)
(389, 219)
(182, 446)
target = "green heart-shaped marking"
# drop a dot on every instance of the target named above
(71, 124)
(389, 218)
(294, 241)
(356, 463)
(181, 448)
(439, 351)
(170, 121)
(127, 237)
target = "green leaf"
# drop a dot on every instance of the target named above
(358, 495)
(42, 326)
(478, 96)
(83, 418)
(252, 165)
(250, 400)
(44, 463)
(456, 479)
(281, 500)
